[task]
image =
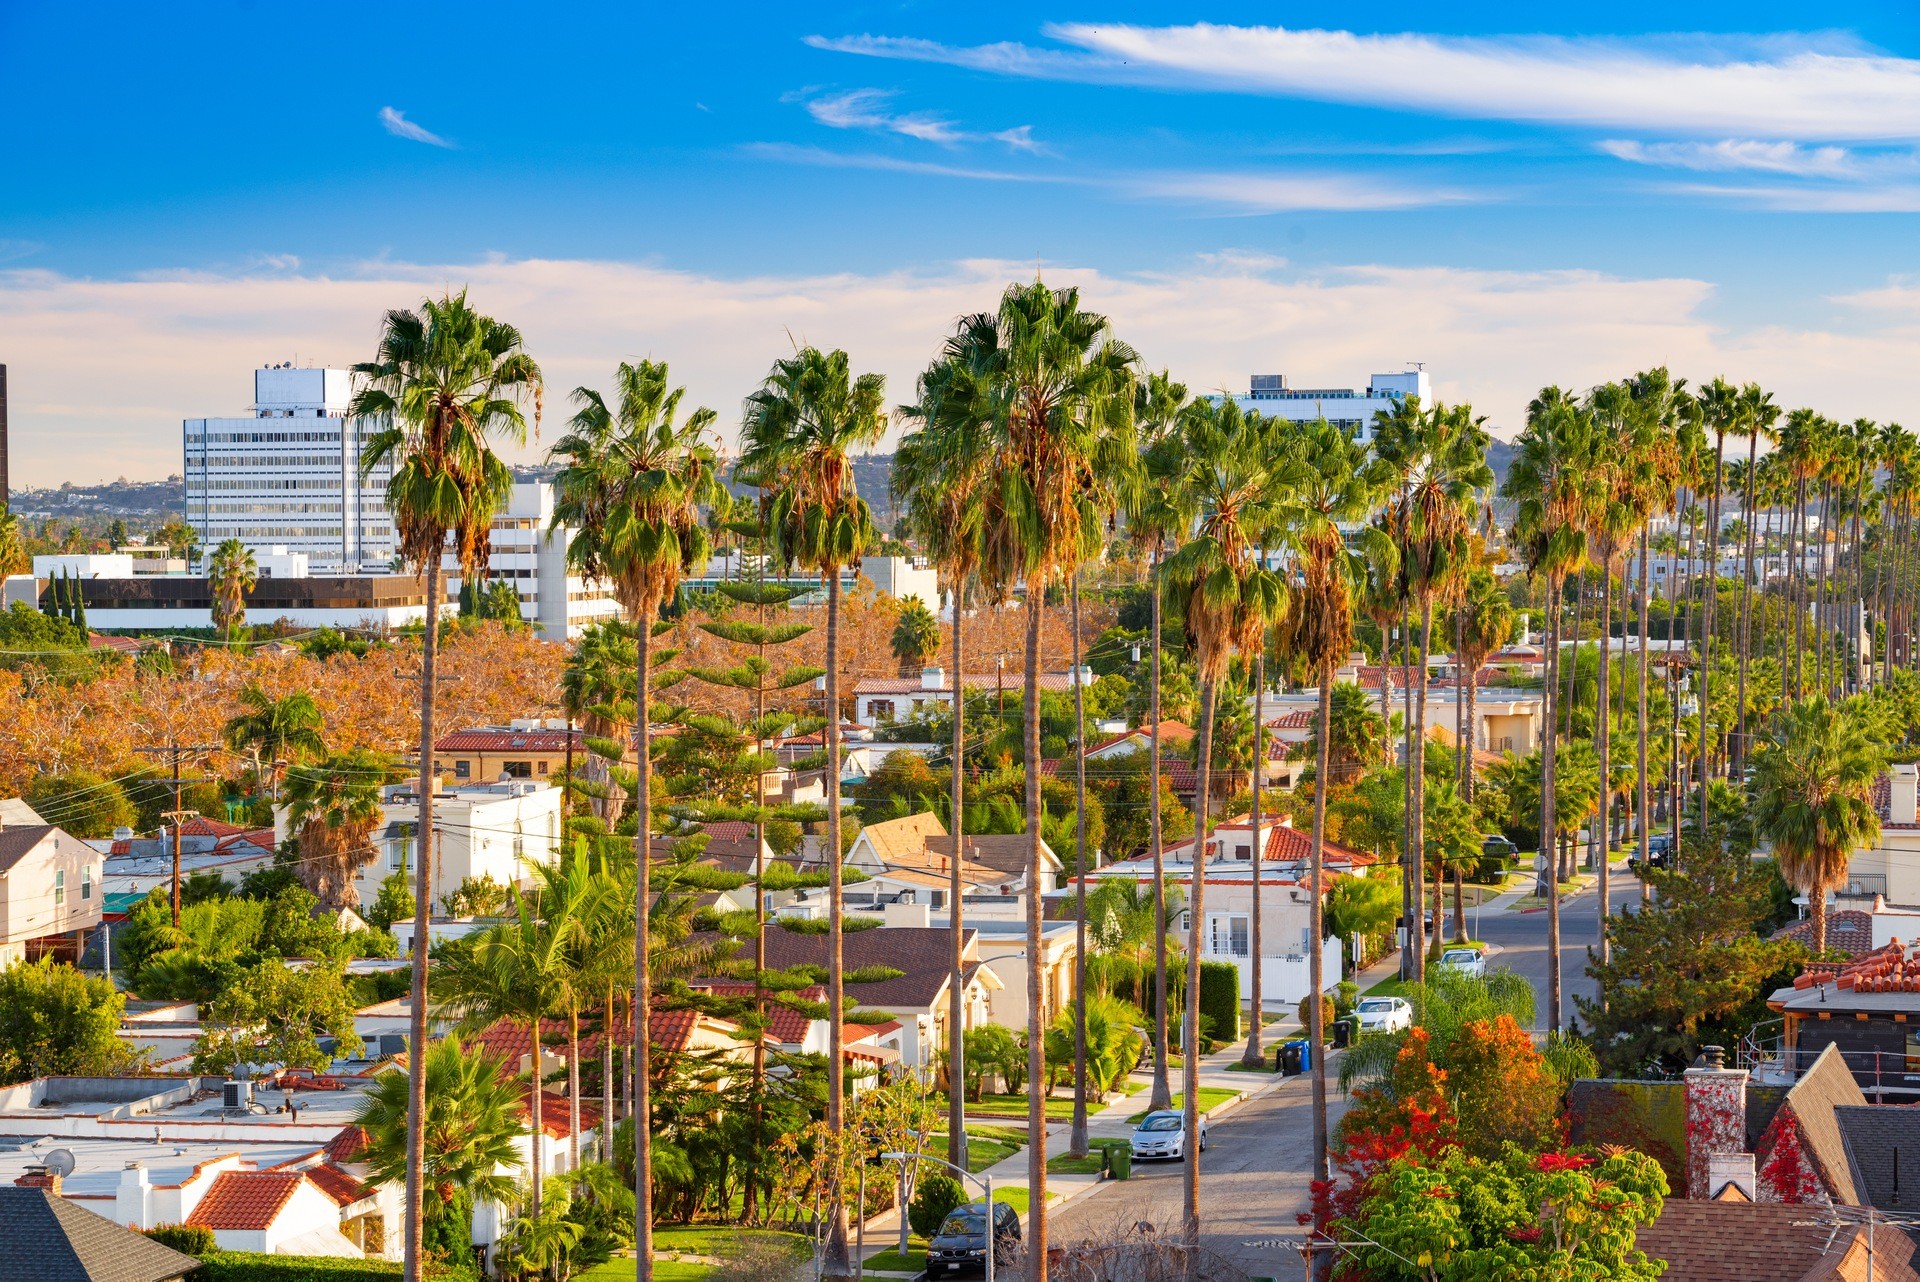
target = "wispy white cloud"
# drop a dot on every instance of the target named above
(1739, 154)
(1794, 87)
(1493, 338)
(399, 126)
(795, 154)
(869, 109)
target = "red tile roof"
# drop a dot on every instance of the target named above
(1297, 720)
(337, 1184)
(1850, 930)
(556, 1118)
(348, 1145)
(246, 1199)
(1884, 970)
(505, 739)
(1171, 731)
(785, 1025)
(729, 830)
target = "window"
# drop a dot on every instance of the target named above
(543, 768)
(86, 883)
(1229, 936)
(59, 887)
(880, 709)
(399, 854)
(517, 769)
(463, 770)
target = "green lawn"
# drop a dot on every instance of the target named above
(1088, 1165)
(1211, 1097)
(890, 1261)
(1240, 1066)
(1059, 1106)
(1130, 1087)
(985, 1145)
(1392, 987)
(714, 1239)
(621, 1270)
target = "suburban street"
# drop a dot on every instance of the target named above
(1522, 940)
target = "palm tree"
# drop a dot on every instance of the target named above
(1062, 389)
(1898, 453)
(1155, 517)
(1335, 484)
(938, 470)
(332, 809)
(1658, 410)
(445, 382)
(1812, 797)
(465, 1141)
(596, 689)
(800, 430)
(1800, 450)
(524, 970)
(231, 573)
(1553, 484)
(1440, 456)
(916, 636)
(276, 733)
(14, 558)
(1758, 414)
(1235, 479)
(1486, 625)
(632, 478)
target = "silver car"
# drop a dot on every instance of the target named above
(1384, 1014)
(1465, 961)
(1163, 1134)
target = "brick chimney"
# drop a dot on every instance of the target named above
(1736, 1169)
(1716, 1119)
(39, 1177)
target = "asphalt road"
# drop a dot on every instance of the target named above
(1255, 1172)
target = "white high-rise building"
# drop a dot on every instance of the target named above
(1342, 406)
(288, 475)
(525, 549)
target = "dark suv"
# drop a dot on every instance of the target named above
(961, 1244)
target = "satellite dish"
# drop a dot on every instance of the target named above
(60, 1162)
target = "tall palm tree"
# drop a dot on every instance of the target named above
(1800, 450)
(939, 471)
(916, 636)
(596, 689)
(1812, 797)
(1236, 479)
(1333, 484)
(1758, 414)
(444, 383)
(332, 809)
(463, 1142)
(1553, 483)
(1156, 516)
(1720, 412)
(1440, 455)
(799, 433)
(1899, 452)
(1862, 438)
(276, 733)
(632, 478)
(231, 573)
(1486, 625)
(1060, 434)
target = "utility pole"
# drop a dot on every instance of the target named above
(176, 752)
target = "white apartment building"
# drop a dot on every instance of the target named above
(526, 551)
(498, 830)
(1341, 406)
(288, 474)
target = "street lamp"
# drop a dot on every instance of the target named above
(986, 1187)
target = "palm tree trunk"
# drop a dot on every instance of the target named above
(1746, 617)
(1817, 910)
(1413, 872)
(1459, 906)
(836, 1262)
(1196, 934)
(1601, 842)
(1549, 829)
(1471, 695)
(1857, 665)
(1077, 1133)
(1162, 1094)
(1418, 765)
(414, 1266)
(642, 975)
(1036, 1012)
(1316, 969)
(957, 932)
(607, 1114)
(1798, 569)
(1707, 622)
(1253, 1056)
(538, 1136)
(573, 1083)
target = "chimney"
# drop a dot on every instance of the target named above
(1716, 1117)
(39, 1177)
(1730, 1168)
(933, 679)
(131, 1197)
(1901, 802)
(1081, 676)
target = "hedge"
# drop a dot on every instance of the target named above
(246, 1266)
(1220, 998)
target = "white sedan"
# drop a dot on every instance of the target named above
(1465, 961)
(1163, 1134)
(1384, 1014)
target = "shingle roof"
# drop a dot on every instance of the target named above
(1821, 1091)
(15, 842)
(923, 953)
(1005, 853)
(246, 1199)
(49, 1239)
(904, 840)
(1850, 930)
(1704, 1241)
(1883, 1149)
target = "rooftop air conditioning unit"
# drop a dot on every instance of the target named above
(236, 1094)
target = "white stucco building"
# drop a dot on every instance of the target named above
(288, 473)
(1341, 406)
(526, 551)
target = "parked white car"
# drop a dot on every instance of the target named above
(1465, 961)
(1163, 1134)
(1384, 1014)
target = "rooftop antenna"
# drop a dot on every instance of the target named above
(1419, 365)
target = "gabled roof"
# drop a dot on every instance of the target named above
(49, 1239)
(1005, 853)
(1814, 1100)
(345, 1189)
(1883, 1146)
(16, 842)
(922, 953)
(1171, 731)
(1728, 1241)
(244, 1200)
(1849, 930)
(348, 1145)
(903, 840)
(507, 739)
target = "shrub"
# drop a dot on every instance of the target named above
(189, 1239)
(935, 1194)
(1328, 1013)
(246, 1266)
(1220, 998)
(1345, 995)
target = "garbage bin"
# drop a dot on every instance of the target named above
(1121, 1158)
(1306, 1057)
(1292, 1058)
(1342, 1034)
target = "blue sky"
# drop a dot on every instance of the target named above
(1319, 189)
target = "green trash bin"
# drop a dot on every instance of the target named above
(1120, 1158)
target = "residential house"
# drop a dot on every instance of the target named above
(917, 997)
(1891, 866)
(134, 866)
(883, 700)
(1172, 734)
(1866, 1010)
(522, 749)
(1733, 1240)
(920, 843)
(50, 886)
(1279, 880)
(795, 1032)
(52, 1239)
